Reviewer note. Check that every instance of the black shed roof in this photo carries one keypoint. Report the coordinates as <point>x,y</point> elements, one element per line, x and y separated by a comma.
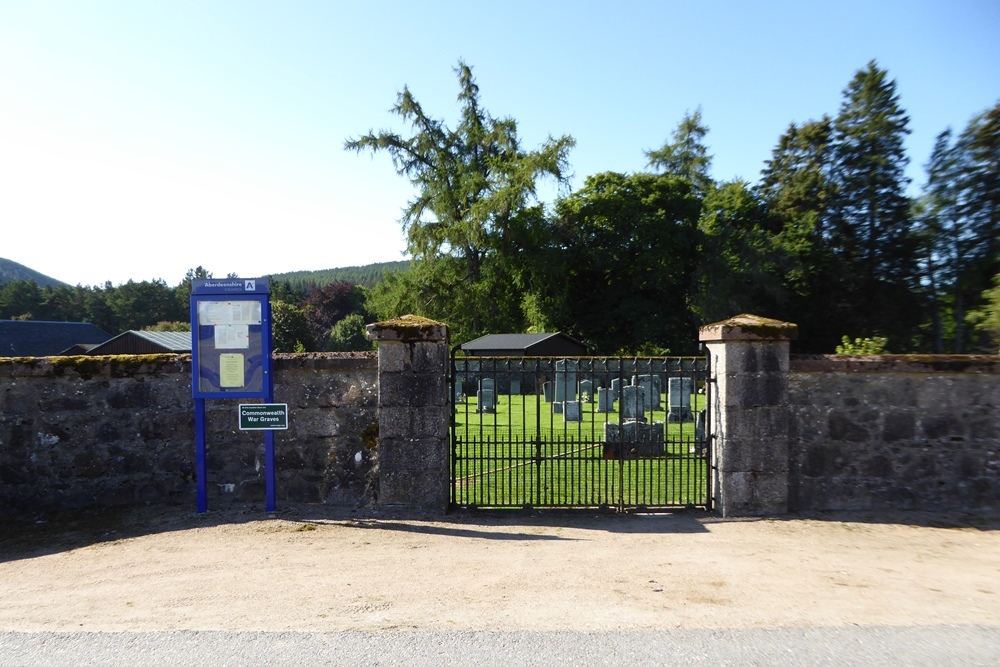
<point>525,345</point>
<point>34,338</point>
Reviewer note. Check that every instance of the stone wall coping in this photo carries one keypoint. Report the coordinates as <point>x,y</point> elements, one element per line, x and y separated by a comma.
<point>896,363</point>
<point>748,327</point>
<point>408,329</point>
<point>127,365</point>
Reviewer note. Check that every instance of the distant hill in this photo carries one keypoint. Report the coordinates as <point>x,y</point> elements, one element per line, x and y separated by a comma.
<point>366,276</point>
<point>11,271</point>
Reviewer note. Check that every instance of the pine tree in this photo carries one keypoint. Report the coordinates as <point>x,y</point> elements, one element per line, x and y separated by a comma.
<point>870,213</point>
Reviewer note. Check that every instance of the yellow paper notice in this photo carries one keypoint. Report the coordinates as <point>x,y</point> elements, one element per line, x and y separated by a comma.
<point>231,370</point>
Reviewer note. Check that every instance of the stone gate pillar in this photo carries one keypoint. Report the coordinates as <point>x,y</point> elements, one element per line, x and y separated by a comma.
<point>413,412</point>
<point>750,418</point>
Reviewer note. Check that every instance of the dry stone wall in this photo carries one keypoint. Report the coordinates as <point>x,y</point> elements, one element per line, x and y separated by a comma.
<point>102,431</point>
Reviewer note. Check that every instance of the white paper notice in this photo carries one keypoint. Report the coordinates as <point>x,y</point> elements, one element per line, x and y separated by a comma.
<point>232,337</point>
<point>214,313</point>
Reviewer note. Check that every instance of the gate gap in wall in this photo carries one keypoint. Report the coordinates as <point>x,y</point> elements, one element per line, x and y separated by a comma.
<point>580,432</point>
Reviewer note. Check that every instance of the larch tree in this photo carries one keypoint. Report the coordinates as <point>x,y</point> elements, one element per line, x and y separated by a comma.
<point>474,185</point>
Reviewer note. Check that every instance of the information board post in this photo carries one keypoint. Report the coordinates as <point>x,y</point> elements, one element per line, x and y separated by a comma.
<point>231,358</point>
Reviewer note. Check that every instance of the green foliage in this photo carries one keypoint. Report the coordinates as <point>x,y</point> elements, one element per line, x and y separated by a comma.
<point>687,156</point>
<point>473,184</point>
<point>873,345</point>
<point>617,266</point>
<point>169,326</point>
<point>986,318</point>
<point>348,335</point>
<point>290,328</point>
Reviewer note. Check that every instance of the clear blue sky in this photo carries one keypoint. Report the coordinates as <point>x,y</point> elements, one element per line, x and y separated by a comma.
<point>139,139</point>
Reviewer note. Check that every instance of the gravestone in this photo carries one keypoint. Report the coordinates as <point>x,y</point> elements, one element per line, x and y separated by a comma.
<point>616,386</point>
<point>485,401</point>
<point>488,384</point>
<point>587,391</point>
<point>699,433</point>
<point>459,396</point>
<point>547,391</point>
<point>557,407</point>
<point>651,401</point>
<point>566,380</point>
<point>605,400</point>
<point>573,411</point>
<point>515,386</point>
<point>633,403</point>
<point>679,399</point>
<point>633,439</point>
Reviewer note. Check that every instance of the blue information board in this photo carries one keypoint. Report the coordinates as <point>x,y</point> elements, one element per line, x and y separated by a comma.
<point>231,330</point>
<point>231,358</point>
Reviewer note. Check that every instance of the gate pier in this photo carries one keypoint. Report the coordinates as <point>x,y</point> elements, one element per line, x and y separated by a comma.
<point>750,364</point>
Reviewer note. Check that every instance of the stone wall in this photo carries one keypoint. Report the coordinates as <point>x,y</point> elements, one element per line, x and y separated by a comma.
<point>99,431</point>
<point>894,432</point>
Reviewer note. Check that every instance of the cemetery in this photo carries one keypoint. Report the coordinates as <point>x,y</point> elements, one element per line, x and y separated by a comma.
<point>578,442</point>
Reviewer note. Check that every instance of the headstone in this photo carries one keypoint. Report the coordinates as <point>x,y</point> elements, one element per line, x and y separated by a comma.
<point>485,401</point>
<point>566,380</point>
<point>633,402</point>
<point>605,400</point>
<point>652,397</point>
<point>557,407</point>
<point>586,391</point>
<point>488,384</point>
<point>459,396</point>
<point>679,399</point>
<point>515,386</point>
<point>632,439</point>
<point>699,433</point>
<point>573,411</point>
<point>547,391</point>
<point>616,386</point>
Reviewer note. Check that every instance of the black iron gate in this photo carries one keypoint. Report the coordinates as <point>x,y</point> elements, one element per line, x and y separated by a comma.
<point>626,433</point>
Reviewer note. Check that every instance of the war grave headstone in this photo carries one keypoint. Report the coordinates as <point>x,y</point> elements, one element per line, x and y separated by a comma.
<point>573,411</point>
<point>486,401</point>
<point>515,386</point>
<point>679,399</point>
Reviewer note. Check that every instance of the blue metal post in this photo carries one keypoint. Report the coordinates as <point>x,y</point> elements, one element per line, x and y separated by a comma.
<point>200,466</point>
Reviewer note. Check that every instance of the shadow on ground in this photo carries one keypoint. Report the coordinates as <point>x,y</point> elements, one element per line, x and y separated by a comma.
<point>44,535</point>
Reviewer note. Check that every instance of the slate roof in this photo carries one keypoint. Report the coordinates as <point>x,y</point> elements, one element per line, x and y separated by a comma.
<point>36,338</point>
<point>539,344</point>
<point>146,342</point>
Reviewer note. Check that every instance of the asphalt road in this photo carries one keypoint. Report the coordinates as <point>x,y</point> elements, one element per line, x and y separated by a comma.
<point>937,646</point>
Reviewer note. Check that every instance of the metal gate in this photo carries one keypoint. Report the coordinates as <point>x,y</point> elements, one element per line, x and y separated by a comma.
<point>625,433</point>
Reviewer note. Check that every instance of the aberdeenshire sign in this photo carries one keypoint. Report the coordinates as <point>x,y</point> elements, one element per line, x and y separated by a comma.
<point>263,416</point>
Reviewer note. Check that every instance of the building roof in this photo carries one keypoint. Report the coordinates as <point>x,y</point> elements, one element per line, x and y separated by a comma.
<point>539,344</point>
<point>35,338</point>
<point>146,342</point>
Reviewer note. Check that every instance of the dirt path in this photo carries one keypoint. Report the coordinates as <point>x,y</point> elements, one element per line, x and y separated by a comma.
<point>314,568</point>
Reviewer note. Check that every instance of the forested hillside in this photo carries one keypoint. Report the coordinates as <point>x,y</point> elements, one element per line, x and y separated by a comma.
<point>10,270</point>
<point>368,275</point>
